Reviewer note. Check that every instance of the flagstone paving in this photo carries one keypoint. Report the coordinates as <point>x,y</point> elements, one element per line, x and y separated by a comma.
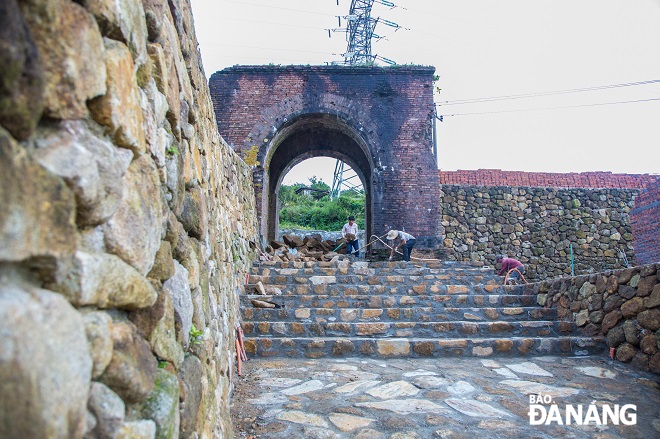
<point>367,398</point>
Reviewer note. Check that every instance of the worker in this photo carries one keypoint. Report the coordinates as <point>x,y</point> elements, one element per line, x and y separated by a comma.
<point>406,242</point>
<point>349,232</point>
<point>510,264</point>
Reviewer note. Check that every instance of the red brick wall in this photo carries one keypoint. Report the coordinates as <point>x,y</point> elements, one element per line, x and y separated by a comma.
<point>289,112</point>
<point>645,220</point>
<point>582,180</point>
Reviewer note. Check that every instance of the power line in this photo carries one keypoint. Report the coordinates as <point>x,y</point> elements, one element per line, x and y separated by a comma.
<point>266,48</point>
<point>549,108</point>
<point>270,23</point>
<point>274,7</point>
<point>547,93</point>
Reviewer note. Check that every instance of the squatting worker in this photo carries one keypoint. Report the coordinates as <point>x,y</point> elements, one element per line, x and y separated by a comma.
<point>510,264</point>
<point>406,242</point>
<point>349,232</point>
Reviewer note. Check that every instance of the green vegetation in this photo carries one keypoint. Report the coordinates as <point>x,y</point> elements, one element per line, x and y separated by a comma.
<point>313,210</point>
<point>195,336</point>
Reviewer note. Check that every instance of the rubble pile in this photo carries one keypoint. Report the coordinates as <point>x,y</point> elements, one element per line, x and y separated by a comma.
<point>310,248</point>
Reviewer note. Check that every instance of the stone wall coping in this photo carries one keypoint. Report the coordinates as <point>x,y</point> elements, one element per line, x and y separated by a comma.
<point>347,70</point>
<point>558,180</point>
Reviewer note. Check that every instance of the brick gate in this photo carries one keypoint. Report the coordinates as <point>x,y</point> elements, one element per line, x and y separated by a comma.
<point>378,120</point>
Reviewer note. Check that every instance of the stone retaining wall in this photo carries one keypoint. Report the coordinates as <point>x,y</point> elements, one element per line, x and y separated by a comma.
<point>621,305</point>
<point>538,226</point>
<point>645,218</point>
<point>125,225</point>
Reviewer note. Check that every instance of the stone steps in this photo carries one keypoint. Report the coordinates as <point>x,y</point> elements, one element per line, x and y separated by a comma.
<point>412,287</point>
<point>401,301</point>
<point>316,347</point>
<point>400,310</point>
<point>370,269</point>
<point>413,314</point>
<point>374,280</point>
<point>446,329</point>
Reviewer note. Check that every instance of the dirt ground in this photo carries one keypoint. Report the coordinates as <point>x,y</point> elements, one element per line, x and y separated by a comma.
<point>245,416</point>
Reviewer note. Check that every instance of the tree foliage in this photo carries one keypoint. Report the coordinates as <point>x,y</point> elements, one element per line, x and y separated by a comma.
<point>314,210</point>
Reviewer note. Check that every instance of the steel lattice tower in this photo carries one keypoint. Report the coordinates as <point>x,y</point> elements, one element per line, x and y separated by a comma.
<point>359,33</point>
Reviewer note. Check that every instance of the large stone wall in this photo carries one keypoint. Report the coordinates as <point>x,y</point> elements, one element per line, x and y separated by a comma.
<point>125,225</point>
<point>646,224</point>
<point>622,306</point>
<point>538,226</point>
<point>644,218</point>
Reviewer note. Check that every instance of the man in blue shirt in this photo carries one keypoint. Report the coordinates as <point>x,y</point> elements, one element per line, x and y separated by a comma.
<point>349,231</point>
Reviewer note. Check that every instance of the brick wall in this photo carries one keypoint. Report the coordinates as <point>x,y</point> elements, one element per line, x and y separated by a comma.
<point>379,120</point>
<point>497,177</point>
<point>646,224</point>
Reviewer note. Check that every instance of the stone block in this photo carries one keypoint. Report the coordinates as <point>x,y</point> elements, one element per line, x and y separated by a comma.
<point>160,323</point>
<point>72,54</point>
<point>371,328</point>
<point>393,348</point>
<point>97,329</point>
<point>132,370</point>
<point>649,319</point>
<point>45,365</point>
<point>610,320</point>
<point>615,337</point>
<point>163,267</point>
<point>194,216</point>
<point>123,20</point>
<point>342,348</point>
<point>91,166</point>
<point>142,429</point>
<point>625,352</point>
<point>105,281</point>
<point>22,88</point>
<point>162,405</point>
<point>134,231</point>
<point>108,410</point>
<point>632,307</point>
<point>37,218</point>
<point>119,109</point>
<point>190,375</point>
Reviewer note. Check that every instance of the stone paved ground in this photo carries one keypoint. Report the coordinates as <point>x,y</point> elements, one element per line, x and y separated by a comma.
<point>440,398</point>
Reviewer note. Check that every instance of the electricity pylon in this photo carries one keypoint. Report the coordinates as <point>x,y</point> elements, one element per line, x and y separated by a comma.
<point>360,32</point>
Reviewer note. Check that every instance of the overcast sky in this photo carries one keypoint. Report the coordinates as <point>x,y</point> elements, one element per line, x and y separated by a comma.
<point>606,51</point>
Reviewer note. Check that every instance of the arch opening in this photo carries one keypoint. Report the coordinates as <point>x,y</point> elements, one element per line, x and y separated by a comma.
<point>320,194</point>
<point>309,136</point>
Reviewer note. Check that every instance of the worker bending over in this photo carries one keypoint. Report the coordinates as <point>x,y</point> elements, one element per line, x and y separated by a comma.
<point>406,243</point>
<point>510,264</point>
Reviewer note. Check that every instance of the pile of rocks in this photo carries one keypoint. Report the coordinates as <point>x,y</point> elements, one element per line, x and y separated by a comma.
<point>310,248</point>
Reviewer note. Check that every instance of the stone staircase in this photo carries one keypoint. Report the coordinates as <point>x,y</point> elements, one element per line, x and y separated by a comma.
<point>398,309</point>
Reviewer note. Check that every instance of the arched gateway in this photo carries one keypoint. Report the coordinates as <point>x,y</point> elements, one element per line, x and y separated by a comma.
<point>377,120</point>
